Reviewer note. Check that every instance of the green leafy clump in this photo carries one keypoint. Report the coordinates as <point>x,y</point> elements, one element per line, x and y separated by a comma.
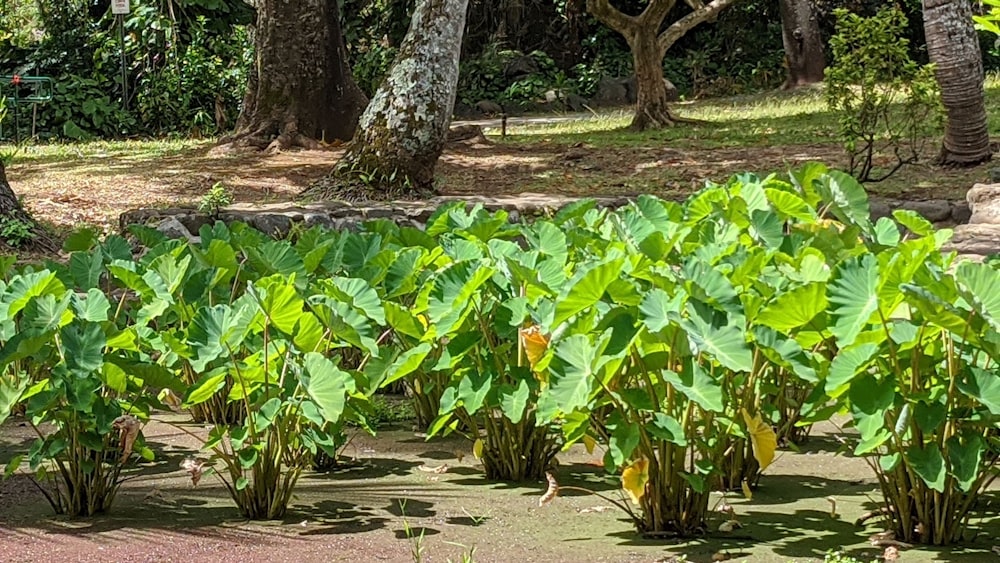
<point>685,340</point>
<point>888,103</point>
<point>217,197</point>
<point>72,360</point>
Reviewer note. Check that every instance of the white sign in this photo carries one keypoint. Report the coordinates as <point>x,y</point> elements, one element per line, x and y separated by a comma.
<point>119,7</point>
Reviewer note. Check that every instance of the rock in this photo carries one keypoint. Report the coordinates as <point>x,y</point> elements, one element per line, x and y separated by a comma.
<point>277,226</point>
<point>466,134</point>
<point>575,102</point>
<point>960,212</point>
<point>610,92</point>
<point>489,108</point>
<point>981,239</point>
<point>173,228</point>
<point>984,201</point>
<point>934,210</point>
<point>520,66</point>
<point>879,209</point>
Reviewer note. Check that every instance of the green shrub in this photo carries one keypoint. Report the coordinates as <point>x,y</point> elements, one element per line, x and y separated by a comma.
<point>888,103</point>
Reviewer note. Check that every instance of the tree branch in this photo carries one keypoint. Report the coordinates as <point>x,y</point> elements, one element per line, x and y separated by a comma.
<point>612,17</point>
<point>654,13</point>
<point>688,22</point>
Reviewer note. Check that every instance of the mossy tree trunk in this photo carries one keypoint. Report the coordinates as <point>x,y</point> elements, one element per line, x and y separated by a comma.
<point>300,89</point>
<point>402,133</point>
<point>23,232</point>
<point>953,47</point>
<point>649,45</point>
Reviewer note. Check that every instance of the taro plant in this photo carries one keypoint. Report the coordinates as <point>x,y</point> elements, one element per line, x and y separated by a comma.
<point>279,348</point>
<point>685,336</point>
<point>917,370</point>
<point>471,320</point>
<point>86,384</point>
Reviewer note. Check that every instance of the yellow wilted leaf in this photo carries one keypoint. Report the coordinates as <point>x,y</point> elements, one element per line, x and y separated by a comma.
<point>762,438</point>
<point>423,320</point>
<point>534,342</point>
<point>477,448</point>
<point>746,490</point>
<point>634,479</point>
<point>589,443</point>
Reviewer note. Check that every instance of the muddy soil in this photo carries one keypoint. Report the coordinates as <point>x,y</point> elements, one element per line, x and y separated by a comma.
<point>383,504</point>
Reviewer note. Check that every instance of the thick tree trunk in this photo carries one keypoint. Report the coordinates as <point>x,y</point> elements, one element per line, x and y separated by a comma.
<point>301,88</point>
<point>649,45</point>
<point>953,47</point>
<point>402,133</point>
<point>652,110</point>
<point>27,233</point>
<point>803,43</point>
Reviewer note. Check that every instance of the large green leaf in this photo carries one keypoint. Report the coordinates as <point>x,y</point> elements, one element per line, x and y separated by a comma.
<point>785,352</point>
<point>206,386</point>
<point>665,427</point>
<point>326,385</point>
<point>548,239</point>
<point>848,199</point>
<point>280,302</point>
<point>571,372</point>
<point>790,205</point>
<point>983,386</point>
<point>795,308</point>
<point>83,347</point>
<point>846,365</point>
<point>454,290</point>
<point>217,330</point>
<point>406,363</point>
<point>357,293</point>
<point>86,268</point>
<point>726,344</point>
<point>514,400</point>
<point>928,463</point>
<point>24,288</point>
<point>696,384</point>
<point>980,286</point>
<point>853,295</point>
<point>658,309</point>
<point>586,290</point>
<point>92,307</point>
<point>10,394</point>
<point>964,458</point>
<point>871,398</point>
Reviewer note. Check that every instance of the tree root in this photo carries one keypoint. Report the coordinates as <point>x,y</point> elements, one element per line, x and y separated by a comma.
<point>270,138</point>
<point>343,185</point>
<point>649,119</point>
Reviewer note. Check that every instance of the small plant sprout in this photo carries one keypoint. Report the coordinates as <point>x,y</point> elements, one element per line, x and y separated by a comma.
<point>217,197</point>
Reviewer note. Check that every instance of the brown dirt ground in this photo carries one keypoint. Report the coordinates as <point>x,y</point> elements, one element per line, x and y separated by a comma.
<point>67,192</point>
<point>353,514</point>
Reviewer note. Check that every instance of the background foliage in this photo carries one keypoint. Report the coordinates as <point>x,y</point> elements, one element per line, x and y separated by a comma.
<point>187,59</point>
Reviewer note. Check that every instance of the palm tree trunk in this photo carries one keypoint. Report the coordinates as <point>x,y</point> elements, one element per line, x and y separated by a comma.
<point>953,47</point>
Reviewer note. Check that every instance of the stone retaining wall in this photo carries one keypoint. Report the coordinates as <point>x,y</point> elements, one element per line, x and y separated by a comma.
<point>276,219</point>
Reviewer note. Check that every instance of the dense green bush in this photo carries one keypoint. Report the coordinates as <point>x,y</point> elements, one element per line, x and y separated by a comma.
<point>888,104</point>
<point>685,338</point>
<point>186,67</point>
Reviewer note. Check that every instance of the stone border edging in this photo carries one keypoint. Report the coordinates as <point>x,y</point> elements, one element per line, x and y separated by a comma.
<point>277,219</point>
